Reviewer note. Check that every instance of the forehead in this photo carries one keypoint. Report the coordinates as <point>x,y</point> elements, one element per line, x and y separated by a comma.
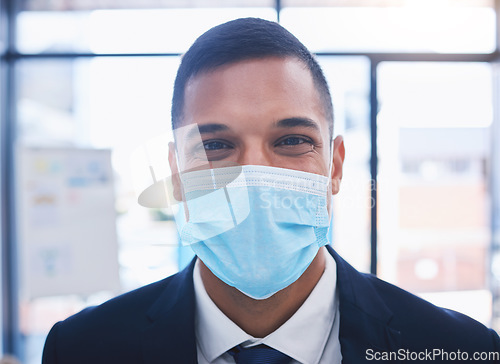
<point>271,87</point>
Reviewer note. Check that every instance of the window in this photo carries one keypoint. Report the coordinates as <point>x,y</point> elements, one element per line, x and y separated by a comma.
<point>97,75</point>
<point>434,145</point>
<point>348,78</point>
<point>392,26</point>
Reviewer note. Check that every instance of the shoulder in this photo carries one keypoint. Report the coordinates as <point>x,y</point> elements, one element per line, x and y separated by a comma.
<point>423,325</point>
<point>371,308</point>
<point>133,305</point>
<point>110,332</point>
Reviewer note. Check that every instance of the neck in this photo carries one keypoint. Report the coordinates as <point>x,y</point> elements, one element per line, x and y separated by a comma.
<point>259,318</point>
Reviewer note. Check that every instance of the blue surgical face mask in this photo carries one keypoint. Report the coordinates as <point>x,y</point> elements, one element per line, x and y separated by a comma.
<point>257,228</point>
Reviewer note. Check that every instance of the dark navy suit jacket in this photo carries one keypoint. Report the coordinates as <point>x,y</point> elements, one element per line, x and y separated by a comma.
<point>155,324</point>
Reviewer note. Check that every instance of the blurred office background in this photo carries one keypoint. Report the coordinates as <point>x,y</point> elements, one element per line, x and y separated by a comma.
<point>416,92</point>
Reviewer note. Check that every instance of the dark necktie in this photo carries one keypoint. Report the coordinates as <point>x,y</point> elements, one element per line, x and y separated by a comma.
<point>260,354</point>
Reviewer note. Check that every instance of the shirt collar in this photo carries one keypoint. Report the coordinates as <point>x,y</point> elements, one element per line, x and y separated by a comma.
<point>303,337</point>
<point>215,332</point>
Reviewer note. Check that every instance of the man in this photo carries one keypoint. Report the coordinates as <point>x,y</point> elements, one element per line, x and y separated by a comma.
<point>265,288</point>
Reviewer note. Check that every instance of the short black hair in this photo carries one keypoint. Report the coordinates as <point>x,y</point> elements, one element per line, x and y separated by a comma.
<point>243,39</point>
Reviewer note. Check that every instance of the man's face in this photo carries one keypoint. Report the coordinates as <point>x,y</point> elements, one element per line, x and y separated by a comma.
<point>259,112</point>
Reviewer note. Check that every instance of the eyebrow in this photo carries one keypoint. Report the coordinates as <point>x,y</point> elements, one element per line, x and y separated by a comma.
<point>297,121</point>
<point>284,123</point>
<point>206,129</point>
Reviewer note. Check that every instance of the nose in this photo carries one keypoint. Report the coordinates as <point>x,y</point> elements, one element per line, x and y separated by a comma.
<point>256,155</point>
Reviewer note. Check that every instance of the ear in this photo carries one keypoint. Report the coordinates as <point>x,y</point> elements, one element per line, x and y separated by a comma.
<point>176,180</point>
<point>338,162</point>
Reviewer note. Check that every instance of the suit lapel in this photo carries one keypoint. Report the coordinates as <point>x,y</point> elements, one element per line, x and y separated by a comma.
<point>364,317</point>
<point>170,337</point>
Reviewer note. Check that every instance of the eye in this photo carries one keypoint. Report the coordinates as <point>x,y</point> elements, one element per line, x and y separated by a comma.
<point>215,145</point>
<point>216,149</point>
<point>294,140</point>
<point>294,145</point>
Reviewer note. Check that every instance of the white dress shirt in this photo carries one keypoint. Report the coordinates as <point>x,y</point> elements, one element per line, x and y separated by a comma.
<point>310,336</point>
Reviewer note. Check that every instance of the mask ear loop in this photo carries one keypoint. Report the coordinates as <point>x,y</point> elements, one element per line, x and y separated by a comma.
<point>181,186</point>
<point>330,168</point>
<point>330,185</point>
